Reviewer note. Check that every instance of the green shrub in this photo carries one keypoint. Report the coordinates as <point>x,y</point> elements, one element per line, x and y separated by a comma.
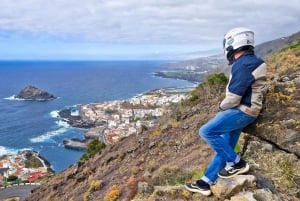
<point>216,80</point>
<point>93,147</point>
<point>12,178</point>
<point>295,45</point>
<point>94,186</point>
<point>211,87</point>
<point>194,174</point>
<point>171,175</point>
<point>33,163</point>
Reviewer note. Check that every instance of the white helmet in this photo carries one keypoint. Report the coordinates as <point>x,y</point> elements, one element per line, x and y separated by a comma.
<point>237,39</point>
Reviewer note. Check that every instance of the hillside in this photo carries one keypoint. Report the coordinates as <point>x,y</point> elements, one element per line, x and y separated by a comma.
<point>265,49</point>
<point>154,164</point>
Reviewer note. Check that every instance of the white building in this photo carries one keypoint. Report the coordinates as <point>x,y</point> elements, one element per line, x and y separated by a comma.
<point>74,112</point>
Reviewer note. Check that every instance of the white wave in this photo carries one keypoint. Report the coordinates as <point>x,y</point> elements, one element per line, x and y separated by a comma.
<point>47,137</point>
<point>26,149</point>
<point>5,151</point>
<point>54,114</point>
<point>62,123</point>
<point>13,97</point>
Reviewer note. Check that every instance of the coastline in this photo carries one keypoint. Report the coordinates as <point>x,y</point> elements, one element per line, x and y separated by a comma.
<point>74,120</point>
<point>48,132</point>
<point>112,120</point>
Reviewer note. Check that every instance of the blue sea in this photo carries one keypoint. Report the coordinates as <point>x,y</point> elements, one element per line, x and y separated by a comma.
<point>34,124</point>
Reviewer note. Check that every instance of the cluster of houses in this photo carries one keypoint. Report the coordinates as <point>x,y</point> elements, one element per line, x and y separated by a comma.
<point>123,118</point>
<point>15,164</point>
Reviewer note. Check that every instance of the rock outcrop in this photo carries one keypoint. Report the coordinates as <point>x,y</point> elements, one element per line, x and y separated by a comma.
<point>279,122</point>
<point>33,93</point>
<point>74,121</point>
<point>77,121</point>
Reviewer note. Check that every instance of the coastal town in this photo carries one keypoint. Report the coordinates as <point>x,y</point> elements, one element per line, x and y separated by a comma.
<point>25,167</point>
<point>107,121</point>
<point>118,119</point>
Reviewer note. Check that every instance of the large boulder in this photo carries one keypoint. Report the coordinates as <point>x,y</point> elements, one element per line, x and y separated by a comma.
<point>274,168</point>
<point>226,188</point>
<point>33,93</point>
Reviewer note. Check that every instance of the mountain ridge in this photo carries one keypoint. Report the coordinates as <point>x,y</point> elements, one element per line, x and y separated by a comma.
<point>197,69</point>
<point>265,49</point>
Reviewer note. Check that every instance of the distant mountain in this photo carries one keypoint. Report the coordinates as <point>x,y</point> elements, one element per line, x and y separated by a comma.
<point>265,49</point>
<point>196,70</point>
<point>196,54</point>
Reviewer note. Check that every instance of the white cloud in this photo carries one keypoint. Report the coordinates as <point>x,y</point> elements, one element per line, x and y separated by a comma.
<point>148,21</point>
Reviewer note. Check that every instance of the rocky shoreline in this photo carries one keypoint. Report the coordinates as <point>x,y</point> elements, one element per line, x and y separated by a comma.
<point>74,120</point>
<point>46,162</point>
<point>80,144</point>
<point>78,121</point>
<point>190,76</point>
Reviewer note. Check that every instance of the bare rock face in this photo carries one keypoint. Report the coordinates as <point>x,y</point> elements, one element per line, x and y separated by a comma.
<point>275,169</point>
<point>33,93</point>
<point>279,121</point>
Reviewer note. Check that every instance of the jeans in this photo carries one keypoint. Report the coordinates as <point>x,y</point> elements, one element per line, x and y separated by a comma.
<point>222,134</point>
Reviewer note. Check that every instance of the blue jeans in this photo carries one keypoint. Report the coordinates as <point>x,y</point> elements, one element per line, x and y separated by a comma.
<point>222,134</point>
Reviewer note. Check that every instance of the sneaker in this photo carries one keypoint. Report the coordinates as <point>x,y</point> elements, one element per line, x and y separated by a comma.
<point>239,168</point>
<point>199,186</point>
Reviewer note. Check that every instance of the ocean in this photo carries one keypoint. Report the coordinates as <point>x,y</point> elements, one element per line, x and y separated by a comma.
<point>34,124</point>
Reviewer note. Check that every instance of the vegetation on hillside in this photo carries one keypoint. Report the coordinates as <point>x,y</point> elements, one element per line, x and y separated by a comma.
<point>286,61</point>
<point>33,163</point>
<point>93,147</point>
<point>213,84</point>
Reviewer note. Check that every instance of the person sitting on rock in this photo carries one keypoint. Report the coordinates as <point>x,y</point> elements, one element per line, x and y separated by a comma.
<point>240,107</point>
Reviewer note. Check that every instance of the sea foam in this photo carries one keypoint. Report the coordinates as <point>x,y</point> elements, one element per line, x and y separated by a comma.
<point>13,97</point>
<point>54,114</point>
<point>47,137</point>
<point>5,151</point>
<point>62,123</point>
<point>62,127</point>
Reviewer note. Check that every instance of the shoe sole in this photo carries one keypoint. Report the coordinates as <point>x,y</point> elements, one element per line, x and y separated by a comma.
<point>203,192</point>
<point>242,171</point>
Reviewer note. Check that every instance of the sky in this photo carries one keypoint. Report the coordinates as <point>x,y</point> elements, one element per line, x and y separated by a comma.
<point>135,29</point>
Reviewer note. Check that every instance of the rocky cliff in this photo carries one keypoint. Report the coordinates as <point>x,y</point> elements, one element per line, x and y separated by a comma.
<point>154,164</point>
